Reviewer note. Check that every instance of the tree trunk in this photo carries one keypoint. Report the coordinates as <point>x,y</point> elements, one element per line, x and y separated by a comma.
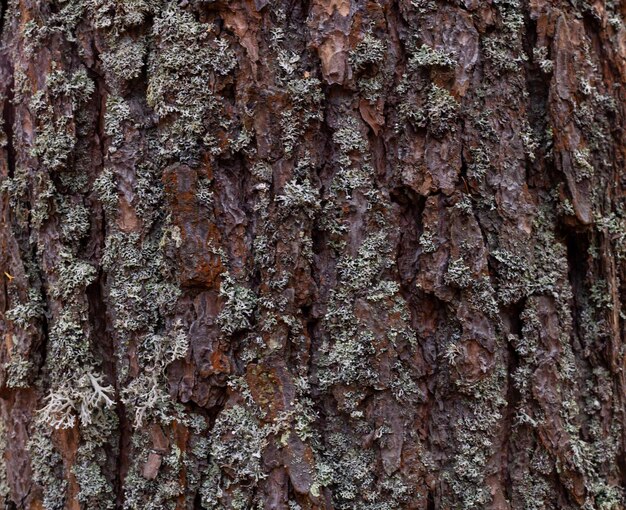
<point>329,254</point>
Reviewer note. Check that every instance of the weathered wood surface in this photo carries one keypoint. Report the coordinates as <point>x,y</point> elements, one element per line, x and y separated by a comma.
<point>329,254</point>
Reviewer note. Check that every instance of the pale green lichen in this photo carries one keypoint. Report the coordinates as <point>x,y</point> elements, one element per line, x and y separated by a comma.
<point>371,88</point>
<point>161,491</point>
<point>299,195</point>
<point>124,61</point>
<point>347,355</point>
<point>121,15</point>
<point>306,96</point>
<point>73,274</point>
<point>54,143</point>
<point>480,163</point>
<point>24,314</point>
<point>239,306</point>
<point>475,433</point>
<point>93,485</point>
<point>504,50</point>
<point>47,466</point>
<point>84,398</point>
<point>529,140</point>
<point>583,169</point>
<point>74,218</point>
<point>600,295</point>
<point>77,86</point>
<point>56,136</point>
<point>369,51</point>
<point>442,110</point>
<point>117,112</point>
<point>235,450</point>
<point>522,272</point>
<point>149,195</point>
<point>498,51</point>
<point>346,468</point>
<point>458,274</point>
<point>139,292</point>
<point>425,56</point>
<point>540,57</point>
<point>189,53</point>
<point>204,193</point>
<point>238,443</point>
<point>4,485</point>
<point>146,396</point>
<point>105,189</point>
<point>427,242</point>
<point>19,371</point>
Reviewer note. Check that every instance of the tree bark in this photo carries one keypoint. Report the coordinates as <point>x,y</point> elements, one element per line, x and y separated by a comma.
<point>329,254</point>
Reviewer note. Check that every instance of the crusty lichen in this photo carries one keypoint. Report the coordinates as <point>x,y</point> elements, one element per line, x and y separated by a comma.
<point>189,53</point>
<point>47,466</point>
<point>426,56</point>
<point>475,433</point>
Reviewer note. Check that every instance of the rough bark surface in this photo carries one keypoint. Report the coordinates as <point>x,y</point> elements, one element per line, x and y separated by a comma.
<point>328,254</point>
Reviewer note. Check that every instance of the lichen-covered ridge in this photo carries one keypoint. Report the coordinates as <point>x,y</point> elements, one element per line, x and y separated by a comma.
<point>336,254</point>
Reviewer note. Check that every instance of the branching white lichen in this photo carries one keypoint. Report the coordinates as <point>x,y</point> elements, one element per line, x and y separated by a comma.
<point>82,399</point>
<point>146,395</point>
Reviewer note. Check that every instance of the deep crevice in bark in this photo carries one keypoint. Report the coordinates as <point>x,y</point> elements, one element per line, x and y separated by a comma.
<point>4,5</point>
<point>411,208</point>
<point>8,118</point>
<point>430,501</point>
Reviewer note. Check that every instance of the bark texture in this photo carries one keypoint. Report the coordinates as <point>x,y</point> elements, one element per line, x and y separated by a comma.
<point>325,254</point>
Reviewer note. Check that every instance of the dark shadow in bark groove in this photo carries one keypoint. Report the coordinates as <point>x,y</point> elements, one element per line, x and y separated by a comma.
<point>577,245</point>
<point>411,207</point>
<point>311,323</point>
<point>4,5</point>
<point>197,502</point>
<point>430,501</point>
<point>8,117</point>
<point>42,349</point>
<point>513,396</point>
